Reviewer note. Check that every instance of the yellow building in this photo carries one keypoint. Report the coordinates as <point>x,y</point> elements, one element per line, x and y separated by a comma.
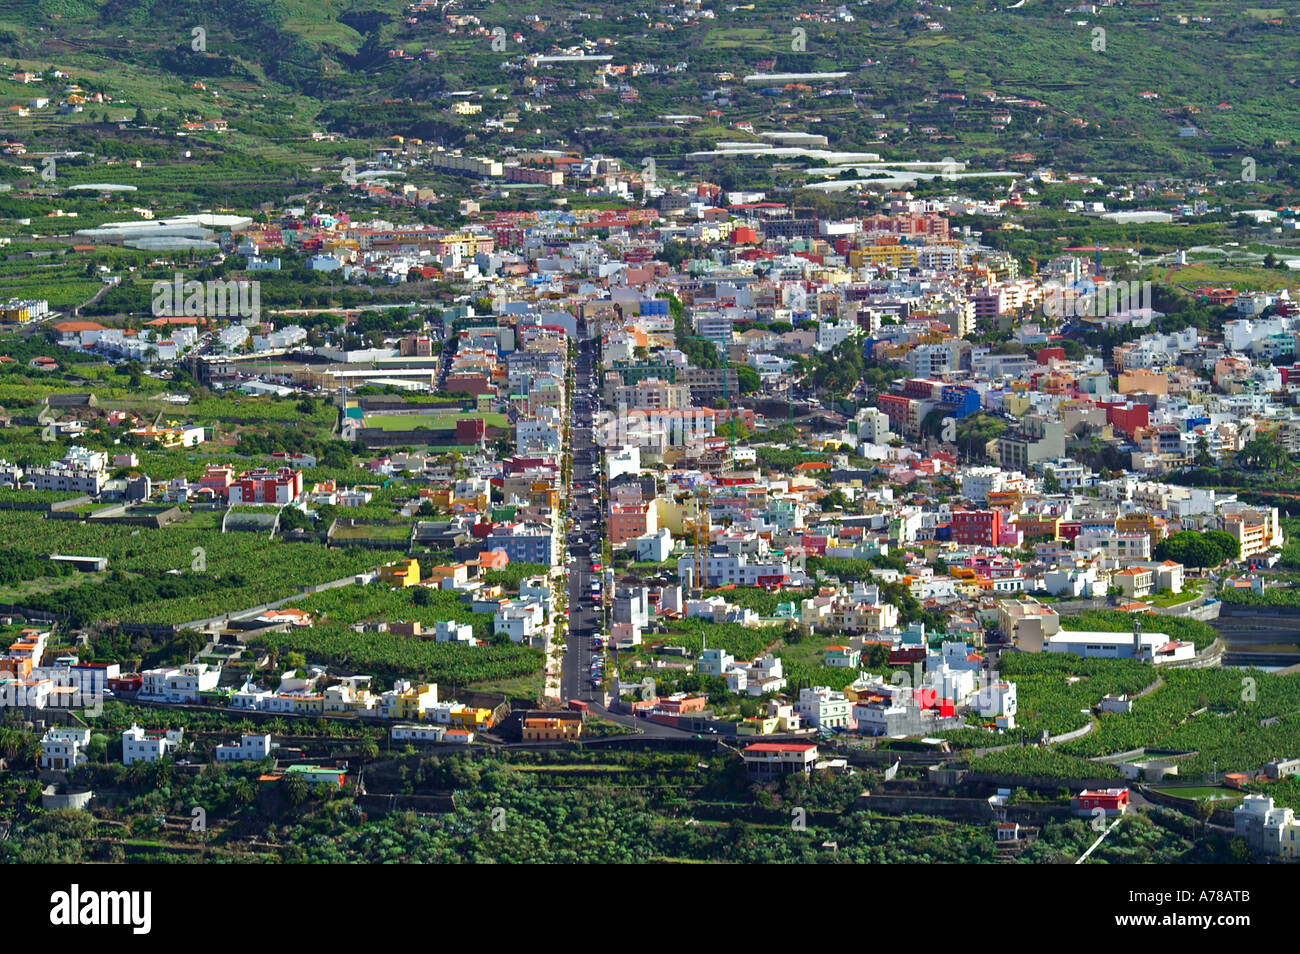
<point>757,725</point>
<point>404,573</point>
<point>15,313</point>
<point>1017,404</point>
<point>551,729</point>
<point>1152,526</point>
<point>409,703</point>
<point>457,573</point>
<point>542,493</point>
<point>671,513</point>
<point>472,718</point>
<point>893,256</point>
<point>1039,527</point>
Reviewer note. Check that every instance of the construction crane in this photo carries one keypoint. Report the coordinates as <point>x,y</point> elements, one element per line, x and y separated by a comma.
<point>698,529</point>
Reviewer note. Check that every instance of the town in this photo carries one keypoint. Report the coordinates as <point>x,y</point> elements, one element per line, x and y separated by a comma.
<point>779,482</point>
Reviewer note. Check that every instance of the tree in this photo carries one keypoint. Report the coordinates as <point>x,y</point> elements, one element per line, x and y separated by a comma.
<point>834,499</point>
<point>1203,458</point>
<point>368,749</point>
<point>1198,550</point>
<point>747,378</point>
<point>295,788</point>
<point>1261,453</point>
<point>1051,485</point>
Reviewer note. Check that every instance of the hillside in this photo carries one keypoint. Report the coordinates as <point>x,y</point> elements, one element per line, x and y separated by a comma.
<point>1160,89</point>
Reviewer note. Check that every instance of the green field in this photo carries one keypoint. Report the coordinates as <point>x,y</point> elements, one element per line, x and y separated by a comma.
<point>1214,793</point>
<point>433,422</point>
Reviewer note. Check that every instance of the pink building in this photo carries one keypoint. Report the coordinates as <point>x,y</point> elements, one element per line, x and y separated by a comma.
<point>218,480</point>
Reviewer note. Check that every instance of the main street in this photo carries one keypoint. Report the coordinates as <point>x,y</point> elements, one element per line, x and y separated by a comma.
<point>585,618</point>
<point>586,531</point>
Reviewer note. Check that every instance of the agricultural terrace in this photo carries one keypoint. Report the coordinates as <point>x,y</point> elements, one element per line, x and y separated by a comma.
<point>331,639</point>
<point>172,574</point>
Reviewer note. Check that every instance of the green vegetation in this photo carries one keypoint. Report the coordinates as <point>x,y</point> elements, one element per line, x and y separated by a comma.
<point>1235,720</point>
<point>331,639</point>
<point>176,573</point>
<point>1115,621</point>
<point>761,601</point>
<point>514,574</point>
<point>1199,550</point>
<point>435,422</point>
<point>391,656</point>
<point>1044,763</point>
<point>1272,596</point>
<point>743,642</point>
<point>1056,690</point>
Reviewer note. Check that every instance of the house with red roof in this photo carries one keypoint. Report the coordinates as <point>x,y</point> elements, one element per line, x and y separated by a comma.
<point>768,760</point>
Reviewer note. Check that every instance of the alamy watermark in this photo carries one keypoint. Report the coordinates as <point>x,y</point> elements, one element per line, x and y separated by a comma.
<point>1090,301</point>
<point>210,299</point>
<point>60,691</point>
<point>78,908</point>
<point>631,425</point>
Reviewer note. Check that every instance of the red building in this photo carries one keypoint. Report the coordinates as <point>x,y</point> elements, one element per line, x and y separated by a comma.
<point>898,409</point>
<point>217,480</point>
<point>514,466</point>
<point>470,383</point>
<point>976,527</point>
<point>280,486</point>
<point>1127,418</point>
<point>682,705</point>
<point>470,430</point>
<point>1109,799</point>
<point>906,657</point>
<point>128,683</point>
<point>814,543</point>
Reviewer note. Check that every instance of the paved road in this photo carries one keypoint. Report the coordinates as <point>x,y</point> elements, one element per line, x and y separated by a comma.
<point>584,523</point>
<point>586,618</point>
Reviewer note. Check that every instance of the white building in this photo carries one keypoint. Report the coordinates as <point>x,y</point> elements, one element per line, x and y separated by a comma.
<point>996,699</point>
<point>64,748</point>
<point>771,759</point>
<point>447,631</point>
<point>1148,647</point>
<point>714,662</point>
<point>1269,830</point>
<point>179,684</point>
<point>978,482</point>
<point>418,733</point>
<point>873,426</point>
<point>80,471</point>
<point>823,707</point>
<point>139,745</point>
<point>1120,547</point>
<point>249,748</point>
<point>520,621</point>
